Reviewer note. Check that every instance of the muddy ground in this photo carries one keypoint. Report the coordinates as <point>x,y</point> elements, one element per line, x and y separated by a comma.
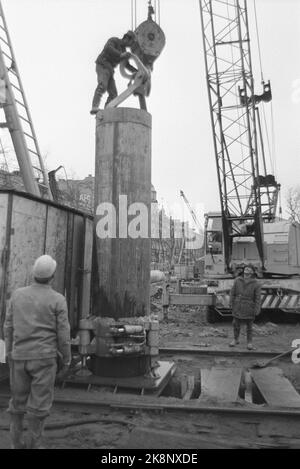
<point>187,328</point>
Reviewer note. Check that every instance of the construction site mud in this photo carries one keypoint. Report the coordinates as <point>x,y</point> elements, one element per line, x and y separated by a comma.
<point>106,418</point>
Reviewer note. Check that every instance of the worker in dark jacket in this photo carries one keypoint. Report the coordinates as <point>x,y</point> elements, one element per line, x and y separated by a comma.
<point>113,53</point>
<point>245,299</point>
<point>36,330</point>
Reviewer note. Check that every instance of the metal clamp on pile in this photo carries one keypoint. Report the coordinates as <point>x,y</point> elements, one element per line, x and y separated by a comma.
<point>107,338</point>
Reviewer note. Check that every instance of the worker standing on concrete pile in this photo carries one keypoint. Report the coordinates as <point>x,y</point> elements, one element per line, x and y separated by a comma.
<point>36,329</point>
<point>245,299</point>
<point>113,53</point>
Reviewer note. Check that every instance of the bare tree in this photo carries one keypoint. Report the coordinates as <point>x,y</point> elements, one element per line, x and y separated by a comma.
<point>293,203</point>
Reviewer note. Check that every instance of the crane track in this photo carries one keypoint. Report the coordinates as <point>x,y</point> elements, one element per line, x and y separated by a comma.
<point>264,427</point>
<point>252,425</point>
<point>223,353</point>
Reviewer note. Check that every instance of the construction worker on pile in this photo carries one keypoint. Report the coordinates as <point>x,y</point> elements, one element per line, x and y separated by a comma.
<point>36,331</point>
<point>245,299</point>
<point>113,53</point>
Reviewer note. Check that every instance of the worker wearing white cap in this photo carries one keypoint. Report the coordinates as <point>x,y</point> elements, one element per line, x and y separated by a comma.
<point>36,330</point>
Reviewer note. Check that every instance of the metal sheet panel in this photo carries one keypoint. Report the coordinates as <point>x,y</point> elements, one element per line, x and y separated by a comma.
<point>3,247</point>
<point>77,251</point>
<point>3,255</point>
<point>29,227</point>
<point>56,242</point>
<point>197,300</point>
<point>27,240</point>
<point>87,270</point>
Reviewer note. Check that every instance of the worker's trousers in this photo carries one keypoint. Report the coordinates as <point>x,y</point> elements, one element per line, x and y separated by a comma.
<point>106,82</point>
<point>237,328</point>
<point>32,386</point>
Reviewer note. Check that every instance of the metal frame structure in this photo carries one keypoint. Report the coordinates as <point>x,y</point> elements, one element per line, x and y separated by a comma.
<point>232,103</point>
<point>19,121</point>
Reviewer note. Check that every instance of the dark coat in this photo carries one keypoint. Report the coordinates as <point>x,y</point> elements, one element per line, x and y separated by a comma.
<point>245,298</point>
<point>110,56</point>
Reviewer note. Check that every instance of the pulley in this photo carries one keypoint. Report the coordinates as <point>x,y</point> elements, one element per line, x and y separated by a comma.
<point>150,40</point>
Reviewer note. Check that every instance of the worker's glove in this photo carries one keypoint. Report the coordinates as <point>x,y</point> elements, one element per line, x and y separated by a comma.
<point>125,56</point>
<point>62,374</point>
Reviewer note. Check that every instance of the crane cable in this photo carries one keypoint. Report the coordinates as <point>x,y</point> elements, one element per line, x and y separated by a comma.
<point>133,15</point>
<point>155,9</point>
<point>271,147</point>
<point>273,139</point>
<point>258,42</point>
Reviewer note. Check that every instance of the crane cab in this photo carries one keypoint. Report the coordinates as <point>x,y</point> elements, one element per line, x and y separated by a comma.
<point>213,245</point>
<point>281,247</point>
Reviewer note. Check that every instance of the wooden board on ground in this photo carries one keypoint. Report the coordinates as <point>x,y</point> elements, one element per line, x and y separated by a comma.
<point>221,384</point>
<point>275,388</point>
<point>187,386</point>
<point>146,438</point>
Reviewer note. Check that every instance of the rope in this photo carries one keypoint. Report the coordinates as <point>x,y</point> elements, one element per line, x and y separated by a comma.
<point>273,141</point>
<point>133,15</point>
<point>272,150</point>
<point>158,18</point>
<point>258,42</point>
<point>268,139</point>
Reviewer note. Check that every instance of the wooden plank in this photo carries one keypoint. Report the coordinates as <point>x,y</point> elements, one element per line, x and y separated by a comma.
<point>4,251</point>
<point>27,240</point>
<point>186,299</point>
<point>87,269</point>
<point>221,384</point>
<point>76,270</point>
<point>56,243</point>
<point>147,438</point>
<point>187,386</point>
<point>275,388</point>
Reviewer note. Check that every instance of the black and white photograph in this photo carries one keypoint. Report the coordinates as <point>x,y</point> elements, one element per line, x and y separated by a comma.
<point>149,227</point>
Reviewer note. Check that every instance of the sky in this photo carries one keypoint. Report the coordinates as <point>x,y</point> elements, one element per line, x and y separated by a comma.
<point>57,41</point>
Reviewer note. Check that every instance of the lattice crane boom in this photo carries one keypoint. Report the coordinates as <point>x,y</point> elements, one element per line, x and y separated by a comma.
<point>233,110</point>
<point>18,119</point>
<point>194,216</point>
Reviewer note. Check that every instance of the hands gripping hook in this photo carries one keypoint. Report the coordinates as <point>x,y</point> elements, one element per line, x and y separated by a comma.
<point>139,84</point>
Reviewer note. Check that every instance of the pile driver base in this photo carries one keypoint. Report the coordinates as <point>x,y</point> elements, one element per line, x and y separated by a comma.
<point>145,384</point>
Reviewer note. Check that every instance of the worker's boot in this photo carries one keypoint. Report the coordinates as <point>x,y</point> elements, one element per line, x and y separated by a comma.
<point>236,333</point>
<point>97,98</point>
<point>35,432</point>
<point>234,342</point>
<point>249,336</point>
<point>16,431</point>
